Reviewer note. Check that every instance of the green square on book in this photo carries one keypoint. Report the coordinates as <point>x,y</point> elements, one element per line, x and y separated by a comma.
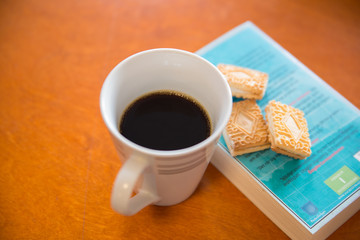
<point>342,180</point>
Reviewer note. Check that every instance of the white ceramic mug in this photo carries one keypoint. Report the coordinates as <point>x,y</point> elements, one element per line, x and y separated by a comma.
<point>162,177</point>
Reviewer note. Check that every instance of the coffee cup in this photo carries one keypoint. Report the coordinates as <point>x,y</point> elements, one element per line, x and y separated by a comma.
<point>162,177</point>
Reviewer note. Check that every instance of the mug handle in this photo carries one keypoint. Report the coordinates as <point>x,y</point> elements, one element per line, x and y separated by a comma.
<point>126,179</point>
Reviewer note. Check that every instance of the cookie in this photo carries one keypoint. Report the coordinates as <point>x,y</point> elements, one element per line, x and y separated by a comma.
<point>246,130</point>
<point>245,82</point>
<point>288,131</point>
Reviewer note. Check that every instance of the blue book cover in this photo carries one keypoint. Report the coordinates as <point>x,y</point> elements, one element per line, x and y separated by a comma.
<point>313,188</point>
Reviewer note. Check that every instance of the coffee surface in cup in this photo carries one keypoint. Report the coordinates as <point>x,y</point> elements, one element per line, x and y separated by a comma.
<point>165,120</point>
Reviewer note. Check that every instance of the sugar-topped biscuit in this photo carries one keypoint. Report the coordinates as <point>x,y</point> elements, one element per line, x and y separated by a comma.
<point>245,82</point>
<point>246,130</point>
<point>288,131</point>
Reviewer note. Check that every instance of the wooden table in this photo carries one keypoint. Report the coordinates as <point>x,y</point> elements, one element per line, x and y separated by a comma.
<point>57,160</point>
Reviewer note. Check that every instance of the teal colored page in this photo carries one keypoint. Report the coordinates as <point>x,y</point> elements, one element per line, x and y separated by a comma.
<point>316,186</point>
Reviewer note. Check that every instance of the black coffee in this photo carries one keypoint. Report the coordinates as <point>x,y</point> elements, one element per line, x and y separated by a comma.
<point>165,120</point>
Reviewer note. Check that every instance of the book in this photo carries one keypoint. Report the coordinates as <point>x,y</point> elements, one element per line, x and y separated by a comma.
<point>307,199</point>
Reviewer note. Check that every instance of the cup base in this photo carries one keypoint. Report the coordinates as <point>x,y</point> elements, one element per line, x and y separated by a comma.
<point>164,203</point>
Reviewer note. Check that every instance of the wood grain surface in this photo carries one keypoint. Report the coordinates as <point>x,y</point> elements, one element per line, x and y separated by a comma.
<point>57,159</point>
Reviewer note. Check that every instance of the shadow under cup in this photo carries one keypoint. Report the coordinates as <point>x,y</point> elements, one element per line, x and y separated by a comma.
<point>174,70</point>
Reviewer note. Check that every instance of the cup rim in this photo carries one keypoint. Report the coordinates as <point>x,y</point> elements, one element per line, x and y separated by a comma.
<point>165,153</point>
